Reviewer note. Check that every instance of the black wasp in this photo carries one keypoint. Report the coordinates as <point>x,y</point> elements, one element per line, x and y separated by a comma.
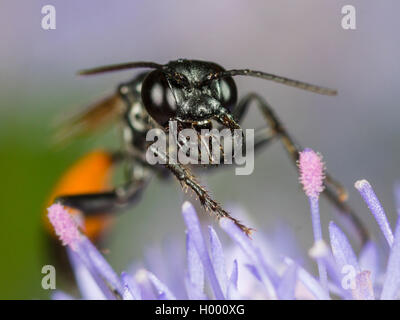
<point>196,94</point>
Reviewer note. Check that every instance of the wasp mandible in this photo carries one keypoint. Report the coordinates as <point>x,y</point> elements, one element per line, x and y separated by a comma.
<point>196,94</point>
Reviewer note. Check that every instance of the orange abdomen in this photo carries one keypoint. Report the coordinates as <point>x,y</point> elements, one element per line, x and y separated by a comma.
<point>90,174</point>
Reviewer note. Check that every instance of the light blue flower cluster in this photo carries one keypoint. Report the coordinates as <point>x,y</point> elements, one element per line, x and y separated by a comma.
<point>253,274</point>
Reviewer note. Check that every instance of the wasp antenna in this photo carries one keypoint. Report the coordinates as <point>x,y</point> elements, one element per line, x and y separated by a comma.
<point>272,77</point>
<point>119,67</point>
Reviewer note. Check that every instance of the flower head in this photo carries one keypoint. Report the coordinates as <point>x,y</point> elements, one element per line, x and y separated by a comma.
<point>248,272</point>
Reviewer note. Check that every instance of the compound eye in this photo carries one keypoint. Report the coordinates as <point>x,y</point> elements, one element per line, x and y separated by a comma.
<point>158,98</point>
<point>228,93</point>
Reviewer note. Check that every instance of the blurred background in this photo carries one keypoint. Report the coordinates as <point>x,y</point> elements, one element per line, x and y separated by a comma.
<point>357,131</point>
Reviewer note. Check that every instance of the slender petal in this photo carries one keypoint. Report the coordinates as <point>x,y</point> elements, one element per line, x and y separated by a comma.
<point>163,292</point>
<point>154,261</point>
<point>193,292</point>
<point>341,248</point>
<point>131,289</point>
<point>217,258</point>
<point>287,286</point>
<point>233,279</point>
<point>90,284</point>
<point>391,286</point>
<point>309,281</point>
<point>316,222</point>
<point>315,218</point>
<point>145,286</point>
<point>195,271</point>
<point>232,291</point>
<point>254,271</point>
<point>376,208</point>
<point>252,253</point>
<point>127,294</point>
<point>102,266</point>
<point>194,229</point>
<point>174,256</point>
<point>321,251</point>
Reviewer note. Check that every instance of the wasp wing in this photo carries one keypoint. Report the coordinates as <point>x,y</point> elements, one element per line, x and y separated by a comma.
<point>95,117</point>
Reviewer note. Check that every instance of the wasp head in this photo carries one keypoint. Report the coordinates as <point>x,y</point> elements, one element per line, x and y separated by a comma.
<point>182,91</point>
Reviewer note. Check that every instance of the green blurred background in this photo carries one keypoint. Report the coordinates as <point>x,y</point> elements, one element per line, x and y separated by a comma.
<point>357,131</point>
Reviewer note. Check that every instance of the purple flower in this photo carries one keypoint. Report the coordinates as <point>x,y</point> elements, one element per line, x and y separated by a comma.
<point>243,268</point>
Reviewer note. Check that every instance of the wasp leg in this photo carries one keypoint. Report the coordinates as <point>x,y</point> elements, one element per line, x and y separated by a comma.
<point>105,202</point>
<point>334,191</point>
<point>189,181</point>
